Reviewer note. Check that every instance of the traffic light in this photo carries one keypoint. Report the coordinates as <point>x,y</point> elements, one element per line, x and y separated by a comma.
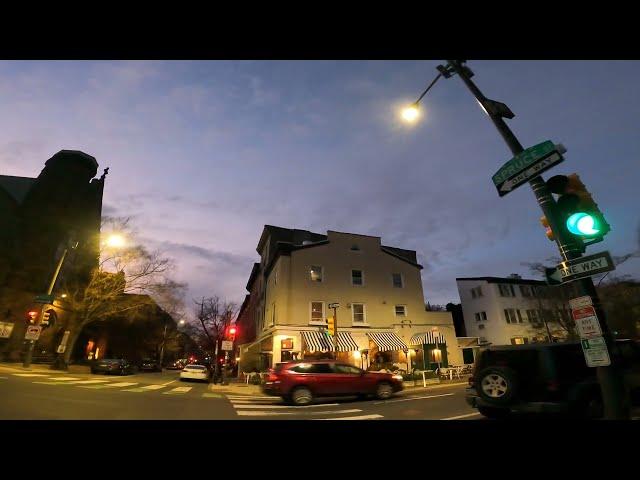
<point>45,318</point>
<point>545,224</point>
<point>231,333</point>
<point>577,210</point>
<point>331,326</point>
<point>32,315</point>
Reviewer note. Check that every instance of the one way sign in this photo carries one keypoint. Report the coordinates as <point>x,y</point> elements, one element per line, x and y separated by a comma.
<point>580,268</point>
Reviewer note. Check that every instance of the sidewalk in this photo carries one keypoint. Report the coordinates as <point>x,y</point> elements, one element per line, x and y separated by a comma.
<point>42,368</point>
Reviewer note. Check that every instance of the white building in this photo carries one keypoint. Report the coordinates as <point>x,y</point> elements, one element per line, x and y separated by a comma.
<point>513,310</point>
<point>381,318</point>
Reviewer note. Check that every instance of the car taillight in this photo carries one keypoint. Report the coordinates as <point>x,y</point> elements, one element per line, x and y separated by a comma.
<point>272,377</point>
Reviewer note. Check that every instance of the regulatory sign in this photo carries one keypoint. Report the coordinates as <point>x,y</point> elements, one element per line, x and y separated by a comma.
<point>583,267</point>
<point>227,345</point>
<point>526,165</point>
<point>595,352</point>
<point>587,322</point>
<point>63,343</point>
<point>33,332</point>
<point>5,329</point>
<point>580,302</point>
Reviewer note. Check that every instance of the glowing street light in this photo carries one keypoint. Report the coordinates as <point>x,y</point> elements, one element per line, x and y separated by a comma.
<point>116,240</point>
<point>411,113</point>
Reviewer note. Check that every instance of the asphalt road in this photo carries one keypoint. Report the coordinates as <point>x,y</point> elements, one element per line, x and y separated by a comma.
<point>155,396</point>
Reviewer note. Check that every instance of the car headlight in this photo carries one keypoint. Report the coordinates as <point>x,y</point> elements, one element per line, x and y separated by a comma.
<point>397,377</point>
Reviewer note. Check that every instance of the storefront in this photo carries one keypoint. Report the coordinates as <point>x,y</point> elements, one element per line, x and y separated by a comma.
<point>430,350</point>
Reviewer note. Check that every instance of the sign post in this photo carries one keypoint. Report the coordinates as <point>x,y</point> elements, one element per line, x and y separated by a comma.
<point>578,268</point>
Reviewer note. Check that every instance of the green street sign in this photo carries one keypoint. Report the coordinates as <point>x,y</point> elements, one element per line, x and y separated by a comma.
<point>45,299</point>
<point>527,165</point>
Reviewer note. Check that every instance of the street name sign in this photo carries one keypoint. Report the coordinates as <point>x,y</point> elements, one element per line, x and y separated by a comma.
<point>227,345</point>
<point>33,332</point>
<point>527,165</point>
<point>580,268</point>
<point>587,322</point>
<point>45,299</point>
<point>595,352</point>
<point>5,329</point>
<point>580,302</point>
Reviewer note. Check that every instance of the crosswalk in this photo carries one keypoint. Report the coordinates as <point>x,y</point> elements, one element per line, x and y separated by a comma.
<point>255,406</point>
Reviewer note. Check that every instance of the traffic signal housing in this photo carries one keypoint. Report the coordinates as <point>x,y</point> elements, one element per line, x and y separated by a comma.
<point>548,232</point>
<point>577,210</point>
<point>331,326</point>
<point>231,333</point>
<point>32,316</point>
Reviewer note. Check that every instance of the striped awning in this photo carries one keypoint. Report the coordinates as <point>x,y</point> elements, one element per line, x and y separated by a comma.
<point>387,341</point>
<point>317,341</point>
<point>346,343</point>
<point>427,338</point>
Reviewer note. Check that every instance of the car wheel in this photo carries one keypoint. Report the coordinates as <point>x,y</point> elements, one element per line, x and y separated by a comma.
<point>493,412</point>
<point>301,396</point>
<point>497,385</point>
<point>384,391</point>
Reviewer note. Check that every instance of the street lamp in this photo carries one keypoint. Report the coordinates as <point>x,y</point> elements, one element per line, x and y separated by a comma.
<point>115,240</point>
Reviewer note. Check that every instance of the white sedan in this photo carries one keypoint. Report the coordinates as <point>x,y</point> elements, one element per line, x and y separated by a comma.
<point>194,372</point>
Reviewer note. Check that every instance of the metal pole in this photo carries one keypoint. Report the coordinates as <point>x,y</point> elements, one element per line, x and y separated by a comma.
<point>611,383</point>
<point>29,355</point>
<point>335,332</point>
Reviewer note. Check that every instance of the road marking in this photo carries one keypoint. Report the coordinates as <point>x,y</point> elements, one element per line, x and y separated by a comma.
<point>30,374</point>
<point>255,406</point>
<point>86,382</point>
<point>153,387</point>
<point>359,417</point>
<point>50,383</point>
<point>121,384</point>
<point>270,414</point>
<point>4,378</point>
<point>413,398</point>
<point>137,390</point>
<point>250,397</point>
<point>212,395</point>
<point>177,390</point>
<point>64,379</point>
<point>462,416</point>
<point>169,383</point>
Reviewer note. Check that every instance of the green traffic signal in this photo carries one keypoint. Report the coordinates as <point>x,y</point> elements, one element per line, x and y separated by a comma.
<point>584,224</point>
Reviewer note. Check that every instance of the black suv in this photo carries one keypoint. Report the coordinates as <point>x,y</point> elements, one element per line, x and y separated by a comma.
<point>545,377</point>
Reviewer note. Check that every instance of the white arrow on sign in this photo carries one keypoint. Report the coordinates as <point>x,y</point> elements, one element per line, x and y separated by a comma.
<point>530,172</point>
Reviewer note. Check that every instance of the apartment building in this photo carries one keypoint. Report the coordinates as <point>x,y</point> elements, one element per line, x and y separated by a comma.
<point>381,318</point>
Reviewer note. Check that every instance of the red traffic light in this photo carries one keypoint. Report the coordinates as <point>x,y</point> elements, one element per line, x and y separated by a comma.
<point>232,330</point>
<point>32,315</point>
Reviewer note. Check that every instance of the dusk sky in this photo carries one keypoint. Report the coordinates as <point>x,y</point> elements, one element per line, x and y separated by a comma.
<point>203,154</point>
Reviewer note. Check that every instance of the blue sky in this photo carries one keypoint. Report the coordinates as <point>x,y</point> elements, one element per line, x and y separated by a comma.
<point>203,154</point>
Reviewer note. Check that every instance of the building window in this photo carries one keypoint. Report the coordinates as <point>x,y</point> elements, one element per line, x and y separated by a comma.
<point>507,290</point>
<point>355,248</point>
<point>315,273</point>
<point>357,310</point>
<point>481,326</point>
<point>401,311</point>
<point>476,292</point>
<point>481,316</point>
<point>526,291</point>
<point>398,281</point>
<point>512,315</point>
<point>519,341</point>
<point>317,312</point>
<point>533,316</point>
<point>357,277</point>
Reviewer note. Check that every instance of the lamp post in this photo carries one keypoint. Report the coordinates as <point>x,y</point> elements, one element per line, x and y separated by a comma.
<point>611,382</point>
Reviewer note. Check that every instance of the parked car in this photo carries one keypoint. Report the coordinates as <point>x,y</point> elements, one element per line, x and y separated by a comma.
<point>149,365</point>
<point>549,377</point>
<point>177,365</point>
<point>300,382</point>
<point>109,365</point>
<point>195,372</point>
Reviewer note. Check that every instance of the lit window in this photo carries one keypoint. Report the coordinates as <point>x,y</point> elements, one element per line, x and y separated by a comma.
<point>315,273</point>
<point>398,281</point>
<point>357,277</point>
<point>357,310</point>
<point>317,311</point>
<point>401,311</point>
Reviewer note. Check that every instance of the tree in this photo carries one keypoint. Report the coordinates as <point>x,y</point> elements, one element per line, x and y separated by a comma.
<point>620,297</point>
<point>214,316</point>
<point>121,283</point>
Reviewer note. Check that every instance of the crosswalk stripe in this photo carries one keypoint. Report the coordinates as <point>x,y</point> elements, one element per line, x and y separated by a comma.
<point>137,390</point>
<point>359,417</point>
<point>177,390</point>
<point>86,382</point>
<point>257,407</point>
<point>51,383</point>
<point>413,398</point>
<point>121,384</point>
<point>4,378</point>
<point>154,387</point>
<point>29,374</point>
<point>462,416</point>
<point>249,397</point>
<point>212,395</point>
<point>271,414</point>
<point>63,379</point>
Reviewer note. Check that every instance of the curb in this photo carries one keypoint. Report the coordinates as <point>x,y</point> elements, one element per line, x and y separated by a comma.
<point>429,387</point>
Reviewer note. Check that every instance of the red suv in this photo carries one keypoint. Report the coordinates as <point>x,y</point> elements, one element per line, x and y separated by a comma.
<point>299,382</point>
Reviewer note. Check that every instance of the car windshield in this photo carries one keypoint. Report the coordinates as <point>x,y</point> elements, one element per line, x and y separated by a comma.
<point>195,367</point>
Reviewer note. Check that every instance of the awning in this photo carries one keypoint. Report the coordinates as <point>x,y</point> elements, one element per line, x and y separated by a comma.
<point>317,341</point>
<point>427,338</point>
<point>346,343</point>
<point>387,341</point>
<point>468,342</point>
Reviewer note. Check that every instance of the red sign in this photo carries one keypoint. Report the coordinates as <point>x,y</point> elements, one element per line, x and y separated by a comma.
<point>584,312</point>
